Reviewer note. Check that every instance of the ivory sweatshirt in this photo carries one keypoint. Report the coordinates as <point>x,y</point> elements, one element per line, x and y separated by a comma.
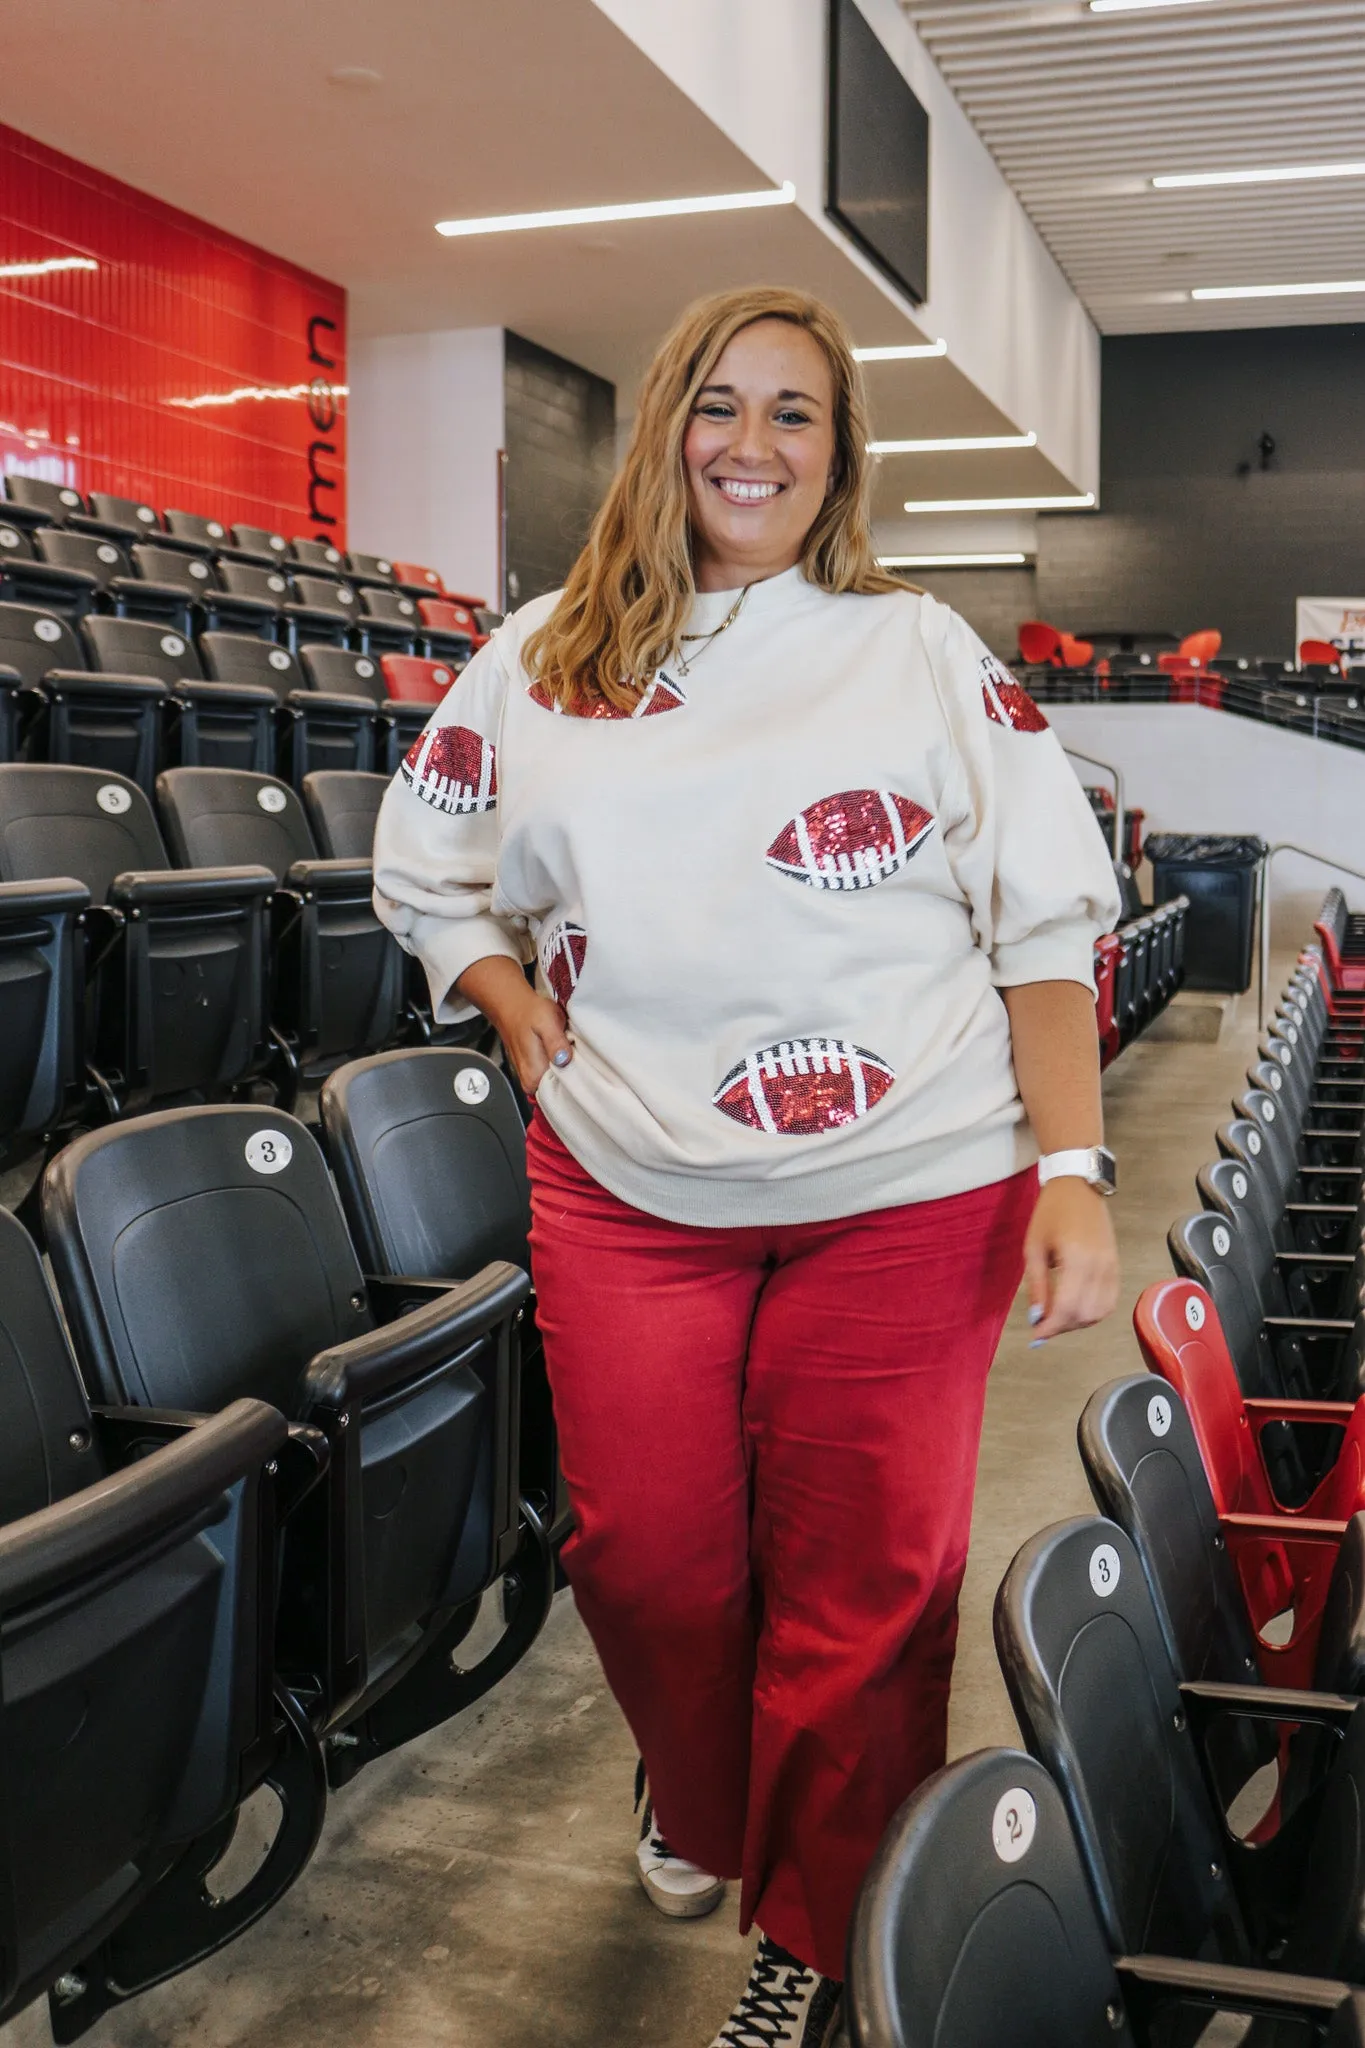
<point>778,902</point>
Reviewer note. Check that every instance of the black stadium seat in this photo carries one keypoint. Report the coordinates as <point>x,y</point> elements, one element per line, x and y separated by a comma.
<point>260,544</point>
<point>389,621</point>
<point>137,1580</point>
<point>215,724</point>
<point>188,594</point>
<point>375,571</point>
<point>127,515</point>
<point>57,570</point>
<point>397,724</point>
<point>323,609</point>
<point>342,810</point>
<point>191,526</point>
<point>429,1152</point>
<point>338,974</point>
<point>179,959</point>
<point>320,731</point>
<point>975,1928</point>
<point>42,999</point>
<point>108,721</point>
<point>388,1559</point>
<point>36,494</point>
<point>318,558</point>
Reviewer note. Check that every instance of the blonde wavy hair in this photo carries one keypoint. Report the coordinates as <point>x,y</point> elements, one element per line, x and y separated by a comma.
<point>627,596</point>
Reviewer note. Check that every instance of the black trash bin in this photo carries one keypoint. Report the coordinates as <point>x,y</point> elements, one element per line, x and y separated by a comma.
<point>1219,877</point>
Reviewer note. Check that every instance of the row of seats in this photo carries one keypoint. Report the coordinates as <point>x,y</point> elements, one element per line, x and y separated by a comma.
<point>1139,967</point>
<point>134,696</point>
<point>250,1557</point>
<point>1187,1834</point>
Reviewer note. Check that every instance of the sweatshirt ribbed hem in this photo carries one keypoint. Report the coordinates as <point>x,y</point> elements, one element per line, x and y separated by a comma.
<point>923,1173</point>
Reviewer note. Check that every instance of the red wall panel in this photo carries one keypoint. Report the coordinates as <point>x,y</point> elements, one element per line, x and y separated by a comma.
<point>182,366</point>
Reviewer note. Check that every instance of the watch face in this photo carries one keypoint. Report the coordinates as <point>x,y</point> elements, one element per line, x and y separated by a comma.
<point>1107,1170</point>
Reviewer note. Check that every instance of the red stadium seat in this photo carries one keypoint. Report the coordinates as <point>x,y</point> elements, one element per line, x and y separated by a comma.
<point>451,615</point>
<point>411,680</point>
<point>1201,648</point>
<point>1039,644</point>
<point>1107,951</point>
<point>412,576</point>
<point>1321,654</point>
<point>1283,1557</point>
<point>1075,653</point>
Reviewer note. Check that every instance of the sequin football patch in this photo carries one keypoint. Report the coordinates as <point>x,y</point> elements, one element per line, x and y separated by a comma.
<point>562,953</point>
<point>1007,701</point>
<point>852,840</point>
<point>803,1086</point>
<point>454,769</point>
<point>663,694</point>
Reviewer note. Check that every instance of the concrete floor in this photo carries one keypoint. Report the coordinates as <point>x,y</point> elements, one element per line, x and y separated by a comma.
<point>477,1890</point>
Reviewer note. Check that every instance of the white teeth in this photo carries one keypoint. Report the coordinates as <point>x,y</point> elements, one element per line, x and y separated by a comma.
<point>746,494</point>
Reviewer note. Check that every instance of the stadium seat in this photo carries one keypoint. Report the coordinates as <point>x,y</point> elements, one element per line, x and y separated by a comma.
<point>212,724</point>
<point>57,570</point>
<point>260,544</point>
<point>1107,951</point>
<point>411,679</point>
<point>35,494</point>
<point>1127,1744</point>
<point>1258,1451</point>
<point>322,610</point>
<point>417,1515</point>
<point>429,1152</point>
<point>318,558</point>
<point>342,810</point>
<point>399,722</point>
<point>417,580</point>
<point>135,1602</point>
<point>375,571</point>
<point>318,731</point>
<point>338,974</point>
<point>178,961</point>
<point>129,516</point>
<point>191,526</point>
<point>388,621</point>
<point>42,1008</point>
<point>1219,1582</point>
<point>187,595</point>
<point>106,721</point>
<point>451,631</point>
<point>1276,1351</point>
<point>975,1928</point>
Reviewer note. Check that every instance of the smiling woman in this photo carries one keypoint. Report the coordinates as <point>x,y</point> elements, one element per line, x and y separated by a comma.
<point>812,893</point>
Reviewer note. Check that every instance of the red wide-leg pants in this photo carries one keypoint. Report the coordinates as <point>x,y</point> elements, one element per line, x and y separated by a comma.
<point>770,1441</point>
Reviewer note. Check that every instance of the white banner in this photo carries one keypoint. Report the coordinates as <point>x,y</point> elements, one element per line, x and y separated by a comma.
<point>1338,619</point>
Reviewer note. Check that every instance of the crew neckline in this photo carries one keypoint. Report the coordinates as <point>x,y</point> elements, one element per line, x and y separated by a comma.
<point>770,593</point>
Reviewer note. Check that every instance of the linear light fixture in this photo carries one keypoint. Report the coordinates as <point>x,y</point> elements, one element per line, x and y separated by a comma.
<point>954,444</point>
<point>1269,174</point>
<point>901,352</point>
<point>1071,504</point>
<point>641,209</point>
<point>255,391</point>
<point>48,266</point>
<point>1279,291</point>
<point>1136,6</point>
<point>1000,561</point>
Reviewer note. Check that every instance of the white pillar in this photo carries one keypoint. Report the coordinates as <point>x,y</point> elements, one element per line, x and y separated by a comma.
<point>424,433</point>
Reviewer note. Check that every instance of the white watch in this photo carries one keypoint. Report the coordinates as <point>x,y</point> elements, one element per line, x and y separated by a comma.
<point>1094,1164</point>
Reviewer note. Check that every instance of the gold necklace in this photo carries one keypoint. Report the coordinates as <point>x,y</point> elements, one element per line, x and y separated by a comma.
<point>685,662</point>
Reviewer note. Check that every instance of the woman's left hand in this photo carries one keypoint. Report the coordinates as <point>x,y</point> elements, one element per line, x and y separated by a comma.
<point>1071,1262</point>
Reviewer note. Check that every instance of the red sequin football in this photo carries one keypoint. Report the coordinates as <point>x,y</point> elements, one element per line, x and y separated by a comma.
<point>852,840</point>
<point>562,952</point>
<point>453,769</point>
<point>803,1086</point>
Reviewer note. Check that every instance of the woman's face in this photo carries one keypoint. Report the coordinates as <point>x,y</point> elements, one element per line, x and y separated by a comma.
<point>758,453</point>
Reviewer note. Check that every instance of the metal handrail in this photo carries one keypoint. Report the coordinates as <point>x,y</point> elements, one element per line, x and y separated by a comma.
<point>1306,853</point>
<point>1109,769</point>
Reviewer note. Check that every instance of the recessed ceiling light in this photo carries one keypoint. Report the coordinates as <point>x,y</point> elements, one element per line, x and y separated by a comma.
<point>1270,174</point>
<point>903,352</point>
<point>1279,291</point>
<point>1001,561</point>
<point>357,75</point>
<point>1137,6</point>
<point>956,444</point>
<point>642,209</point>
<point>47,266</point>
<point>1070,504</point>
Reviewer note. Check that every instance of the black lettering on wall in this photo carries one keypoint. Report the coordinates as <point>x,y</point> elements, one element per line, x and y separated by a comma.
<point>318,482</point>
<point>315,354</point>
<point>323,412</point>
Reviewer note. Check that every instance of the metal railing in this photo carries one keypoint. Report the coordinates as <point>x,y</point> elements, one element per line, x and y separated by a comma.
<point>1106,768</point>
<point>1263,890</point>
<point>1337,715</point>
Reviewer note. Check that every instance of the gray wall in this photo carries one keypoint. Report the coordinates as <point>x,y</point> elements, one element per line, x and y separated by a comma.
<point>1184,540</point>
<point>991,600</point>
<point>560,428</point>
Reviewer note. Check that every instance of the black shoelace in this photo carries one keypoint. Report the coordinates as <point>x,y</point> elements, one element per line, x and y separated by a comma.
<point>771,2003</point>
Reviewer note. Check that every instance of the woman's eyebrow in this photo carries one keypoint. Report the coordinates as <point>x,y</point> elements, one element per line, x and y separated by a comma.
<point>728,391</point>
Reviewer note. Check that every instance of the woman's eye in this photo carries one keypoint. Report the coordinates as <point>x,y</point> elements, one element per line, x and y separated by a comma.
<point>716,410</point>
<point>789,417</point>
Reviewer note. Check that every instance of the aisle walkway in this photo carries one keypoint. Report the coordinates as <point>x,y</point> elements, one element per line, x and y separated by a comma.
<point>476,1891</point>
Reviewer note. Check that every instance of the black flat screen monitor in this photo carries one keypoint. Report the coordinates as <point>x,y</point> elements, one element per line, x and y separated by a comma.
<point>878,154</point>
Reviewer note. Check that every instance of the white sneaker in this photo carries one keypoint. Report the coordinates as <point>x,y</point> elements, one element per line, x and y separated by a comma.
<point>784,2005</point>
<point>682,1890</point>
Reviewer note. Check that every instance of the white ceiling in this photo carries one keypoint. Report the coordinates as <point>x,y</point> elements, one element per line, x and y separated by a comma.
<point>1081,110</point>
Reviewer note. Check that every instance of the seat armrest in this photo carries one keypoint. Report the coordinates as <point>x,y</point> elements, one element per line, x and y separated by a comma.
<point>330,700</point>
<point>1260,1410</point>
<point>190,690</point>
<point>393,1294</point>
<point>51,572</point>
<point>1206,1697</point>
<point>368,1366</point>
<point>151,888</point>
<point>93,1529</point>
<point>98,679</point>
<point>60,892</point>
<point>1152,1981</point>
<point>330,877</point>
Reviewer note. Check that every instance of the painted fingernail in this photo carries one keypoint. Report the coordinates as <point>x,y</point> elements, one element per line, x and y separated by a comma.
<point>1035,1314</point>
<point>1037,1343</point>
<point>563,1056</point>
